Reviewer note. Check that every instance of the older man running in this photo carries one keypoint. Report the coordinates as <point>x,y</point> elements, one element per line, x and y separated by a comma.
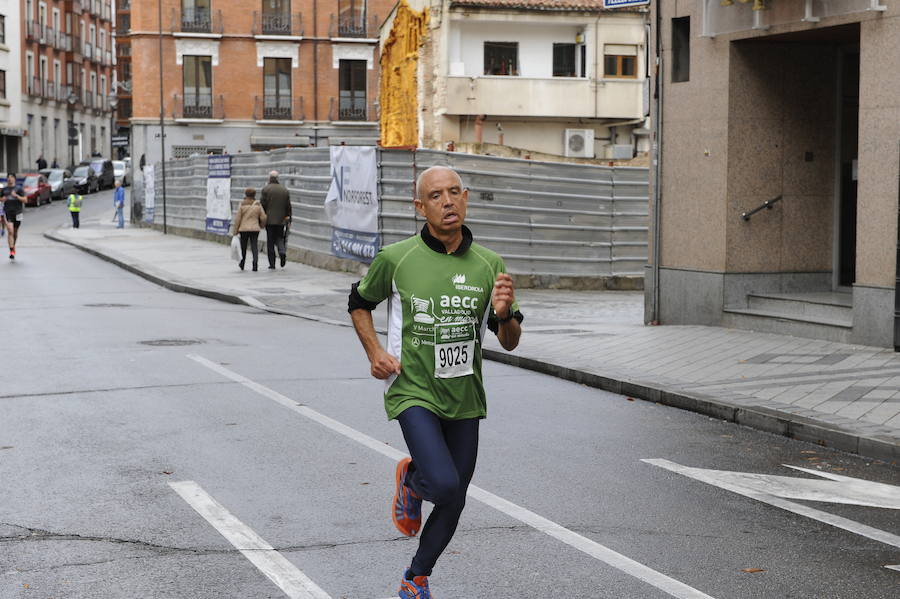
<point>443,291</point>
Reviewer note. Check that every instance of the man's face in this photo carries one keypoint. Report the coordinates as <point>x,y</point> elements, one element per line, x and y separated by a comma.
<point>11,181</point>
<point>442,201</point>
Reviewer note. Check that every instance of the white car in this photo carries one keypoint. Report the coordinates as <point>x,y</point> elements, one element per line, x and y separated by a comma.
<point>121,172</point>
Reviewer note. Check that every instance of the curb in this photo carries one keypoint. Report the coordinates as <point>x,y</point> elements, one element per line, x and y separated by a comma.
<point>756,417</point>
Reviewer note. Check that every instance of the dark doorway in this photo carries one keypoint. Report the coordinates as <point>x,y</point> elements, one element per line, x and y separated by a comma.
<point>848,152</point>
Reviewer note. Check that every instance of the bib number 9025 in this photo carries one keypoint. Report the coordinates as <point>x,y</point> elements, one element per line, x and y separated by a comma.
<point>454,349</point>
<point>453,355</point>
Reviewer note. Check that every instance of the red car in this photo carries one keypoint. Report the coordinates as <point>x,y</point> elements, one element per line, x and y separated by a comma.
<point>37,190</point>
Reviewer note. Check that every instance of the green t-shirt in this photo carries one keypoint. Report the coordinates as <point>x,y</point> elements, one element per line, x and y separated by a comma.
<point>438,307</point>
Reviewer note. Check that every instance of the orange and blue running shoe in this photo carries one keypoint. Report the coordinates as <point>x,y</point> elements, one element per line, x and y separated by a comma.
<point>414,588</point>
<point>406,509</point>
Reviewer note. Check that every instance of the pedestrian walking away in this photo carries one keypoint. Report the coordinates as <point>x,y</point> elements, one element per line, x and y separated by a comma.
<point>248,221</point>
<point>13,208</point>
<point>119,203</point>
<point>443,291</point>
<point>41,163</point>
<point>276,202</point>
<point>75,200</point>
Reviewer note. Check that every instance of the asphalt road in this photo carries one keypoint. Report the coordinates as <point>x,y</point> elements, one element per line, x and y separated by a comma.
<point>114,390</point>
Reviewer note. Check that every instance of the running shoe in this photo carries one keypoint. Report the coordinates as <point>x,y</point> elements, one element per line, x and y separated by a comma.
<point>12,254</point>
<point>414,588</point>
<point>406,509</point>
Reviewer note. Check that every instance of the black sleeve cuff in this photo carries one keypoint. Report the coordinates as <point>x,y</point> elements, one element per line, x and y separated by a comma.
<point>358,302</point>
<point>494,325</point>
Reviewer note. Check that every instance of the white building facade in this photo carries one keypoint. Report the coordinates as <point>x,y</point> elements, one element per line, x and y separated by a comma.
<point>11,130</point>
<point>567,78</point>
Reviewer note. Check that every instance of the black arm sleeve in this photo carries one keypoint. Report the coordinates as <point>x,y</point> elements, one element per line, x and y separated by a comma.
<point>494,325</point>
<point>358,302</point>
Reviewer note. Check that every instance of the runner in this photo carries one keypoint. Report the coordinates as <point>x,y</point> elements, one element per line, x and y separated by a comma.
<point>13,198</point>
<point>443,290</point>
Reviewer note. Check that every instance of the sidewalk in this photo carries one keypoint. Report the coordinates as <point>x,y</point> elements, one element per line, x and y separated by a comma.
<point>837,395</point>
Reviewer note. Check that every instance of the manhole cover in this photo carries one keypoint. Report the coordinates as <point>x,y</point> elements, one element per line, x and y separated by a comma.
<point>171,342</point>
<point>107,305</point>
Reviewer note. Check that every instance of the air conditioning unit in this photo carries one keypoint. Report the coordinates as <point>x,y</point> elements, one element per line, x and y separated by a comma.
<point>579,143</point>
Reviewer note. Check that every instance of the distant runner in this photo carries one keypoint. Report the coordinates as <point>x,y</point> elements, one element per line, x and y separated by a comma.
<point>13,207</point>
<point>443,291</point>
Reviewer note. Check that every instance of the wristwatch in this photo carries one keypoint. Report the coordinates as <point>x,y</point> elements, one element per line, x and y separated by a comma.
<point>508,318</point>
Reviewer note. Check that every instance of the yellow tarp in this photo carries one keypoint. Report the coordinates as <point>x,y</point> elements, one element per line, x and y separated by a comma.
<point>399,58</point>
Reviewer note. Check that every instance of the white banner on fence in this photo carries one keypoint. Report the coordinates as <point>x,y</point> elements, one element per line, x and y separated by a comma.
<point>218,195</point>
<point>149,193</point>
<point>352,202</point>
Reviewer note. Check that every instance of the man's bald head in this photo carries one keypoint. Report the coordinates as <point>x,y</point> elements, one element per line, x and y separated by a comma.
<point>430,171</point>
<point>273,176</point>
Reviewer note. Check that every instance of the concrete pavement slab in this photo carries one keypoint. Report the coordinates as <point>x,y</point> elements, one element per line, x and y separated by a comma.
<point>777,383</point>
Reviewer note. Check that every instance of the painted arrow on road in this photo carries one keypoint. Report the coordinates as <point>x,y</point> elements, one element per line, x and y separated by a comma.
<point>774,490</point>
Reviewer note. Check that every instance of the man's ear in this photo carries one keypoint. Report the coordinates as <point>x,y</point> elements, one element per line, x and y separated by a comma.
<point>419,207</point>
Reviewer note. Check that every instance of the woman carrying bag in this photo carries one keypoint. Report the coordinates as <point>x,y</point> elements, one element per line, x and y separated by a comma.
<point>248,221</point>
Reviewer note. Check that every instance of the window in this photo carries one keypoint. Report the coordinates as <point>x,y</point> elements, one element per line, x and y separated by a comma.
<point>198,86</point>
<point>3,84</point>
<point>276,17</point>
<point>620,61</point>
<point>564,60</point>
<point>501,58</point>
<point>196,15</point>
<point>277,88</point>
<point>681,49</point>
<point>352,18</point>
<point>352,104</point>
<point>3,29</point>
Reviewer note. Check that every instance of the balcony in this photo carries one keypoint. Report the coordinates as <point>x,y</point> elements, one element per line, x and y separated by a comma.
<point>273,107</point>
<point>283,24</point>
<point>63,42</point>
<point>88,51</point>
<point>353,26</point>
<point>351,109</point>
<point>198,20</point>
<point>87,100</point>
<point>34,87</point>
<point>561,97</point>
<point>106,14</point>
<point>723,18</point>
<point>47,35</point>
<point>107,58</point>
<point>75,45</point>
<point>32,31</point>
<point>202,106</point>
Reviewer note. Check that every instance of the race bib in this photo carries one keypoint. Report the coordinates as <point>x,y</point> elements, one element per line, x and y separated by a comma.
<point>454,349</point>
<point>19,216</point>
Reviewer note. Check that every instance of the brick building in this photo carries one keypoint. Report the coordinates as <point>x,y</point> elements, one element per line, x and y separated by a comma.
<point>242,76</point>
<point>122,128</point>
<point>67,78</point>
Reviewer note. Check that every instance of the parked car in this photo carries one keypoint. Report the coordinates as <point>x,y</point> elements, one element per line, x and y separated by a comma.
<point>61,182</point>
<point>121,172</point>
<point>86,180</point>
<point>37,190</point>
<point>103,168</point>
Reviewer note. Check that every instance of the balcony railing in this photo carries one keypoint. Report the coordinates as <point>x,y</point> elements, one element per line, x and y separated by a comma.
<point>271,107</point>
<point>47,35</point>
<point>32,31</point>
<point>87,100</point>
<point>351,109</point>
<point>197,20</point>
<point>75,44</point>
<point>277,24</point>
<point>88,51</point>
<point>357,25</point>
<point>62,41</point>
<point>34,86</point>
<point>199,106</point>
<point>106,15</point>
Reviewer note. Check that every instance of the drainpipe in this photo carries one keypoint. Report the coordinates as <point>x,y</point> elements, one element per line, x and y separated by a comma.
<point>657,165</point>
<point>479,128</point>
<point>315,73</point>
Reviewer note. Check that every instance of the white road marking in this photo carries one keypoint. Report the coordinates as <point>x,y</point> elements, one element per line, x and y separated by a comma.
<point>283,573</point>
<point>897,568</point>
<point>616,560</point>
<point>735,485</point>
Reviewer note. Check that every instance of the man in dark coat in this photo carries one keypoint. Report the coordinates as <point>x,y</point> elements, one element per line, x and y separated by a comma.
<point>276,201</point>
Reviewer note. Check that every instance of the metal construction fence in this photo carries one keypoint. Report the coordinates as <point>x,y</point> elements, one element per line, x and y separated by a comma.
<point>550,220</point>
